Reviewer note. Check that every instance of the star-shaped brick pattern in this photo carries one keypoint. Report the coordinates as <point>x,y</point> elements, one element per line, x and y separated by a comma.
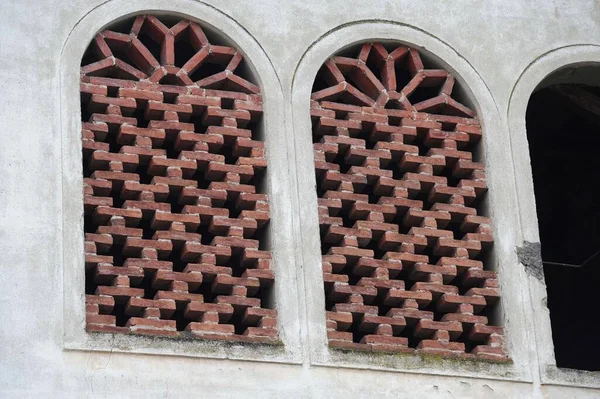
<point>400,194</point>
<point>173,172</point>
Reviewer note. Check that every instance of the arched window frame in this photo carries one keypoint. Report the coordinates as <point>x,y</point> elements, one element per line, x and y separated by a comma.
<point>526,232</point>
<point>501,195</point>
<point>277,180</point>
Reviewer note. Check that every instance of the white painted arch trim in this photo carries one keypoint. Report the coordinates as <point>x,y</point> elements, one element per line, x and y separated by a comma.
<point>540,68</point>
<point>278,180</point>
<point>501,196</point>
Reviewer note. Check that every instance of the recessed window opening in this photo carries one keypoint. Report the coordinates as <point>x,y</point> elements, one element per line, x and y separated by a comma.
<point>563,129</point>
<point>405,240</point>
<point>176,209</point>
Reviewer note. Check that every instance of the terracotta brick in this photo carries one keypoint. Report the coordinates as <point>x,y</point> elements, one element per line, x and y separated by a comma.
<point>397,180</point>
<point>157,244</point>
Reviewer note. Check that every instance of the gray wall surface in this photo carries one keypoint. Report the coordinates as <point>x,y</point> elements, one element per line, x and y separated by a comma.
<point>500,50</point>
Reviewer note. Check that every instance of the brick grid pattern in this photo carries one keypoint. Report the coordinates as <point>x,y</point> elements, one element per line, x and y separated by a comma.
<point>398,189</point>
<point>173,215</point>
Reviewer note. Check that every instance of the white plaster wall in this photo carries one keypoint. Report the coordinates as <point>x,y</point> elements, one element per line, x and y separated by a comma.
<point>500,48</point>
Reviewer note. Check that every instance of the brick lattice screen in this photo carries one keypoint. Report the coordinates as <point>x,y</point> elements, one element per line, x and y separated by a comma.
<point>175,210</point>
<point>399,196</point>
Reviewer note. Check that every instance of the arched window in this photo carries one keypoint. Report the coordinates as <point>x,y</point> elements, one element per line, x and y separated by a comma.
<point>403,233</point>
<point>175,209</point>
<point>563,118</point>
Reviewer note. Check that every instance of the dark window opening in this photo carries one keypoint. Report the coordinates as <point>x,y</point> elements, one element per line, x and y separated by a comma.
<point>563,129</point>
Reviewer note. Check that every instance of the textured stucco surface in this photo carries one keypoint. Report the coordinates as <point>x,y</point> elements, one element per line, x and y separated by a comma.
<point>500,49</point>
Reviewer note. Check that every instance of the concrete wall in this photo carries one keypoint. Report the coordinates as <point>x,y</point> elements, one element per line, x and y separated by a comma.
<point>499,50</point>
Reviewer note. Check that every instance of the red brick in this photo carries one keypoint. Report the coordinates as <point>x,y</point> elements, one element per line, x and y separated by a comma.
<point>387,178</point>
<point>139,167</point>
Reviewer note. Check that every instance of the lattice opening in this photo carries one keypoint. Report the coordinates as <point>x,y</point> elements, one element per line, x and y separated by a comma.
<point>176,211</point>
<point>402,232</point>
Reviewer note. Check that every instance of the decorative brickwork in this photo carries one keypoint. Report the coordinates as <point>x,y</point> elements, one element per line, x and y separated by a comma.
<point>173,175</point>
<point>399,193</point>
